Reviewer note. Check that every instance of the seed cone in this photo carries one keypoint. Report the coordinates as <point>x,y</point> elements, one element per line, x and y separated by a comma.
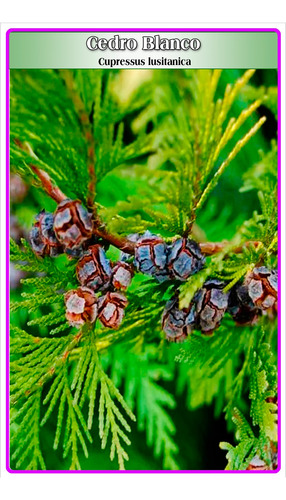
<point>73,225</point>
<point>111,309</point>
<point>93,269</point>
<point>211,304</point>
<point>262,285</point>
<point>178,323</point>
<point>42,236</point>
<point>81,306</point>
<point>184,259</point>
<point>122,274</point>
<point>151,256</point>
<point>241,307</point>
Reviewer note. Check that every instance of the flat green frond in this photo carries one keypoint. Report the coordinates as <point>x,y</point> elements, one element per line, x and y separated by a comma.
<point>42,357</point>
<point>91,381</point>
<point>76,430</point>
<point>111,421</point>
<point>53,131</point>
<point>239,145</point>
<point>196,145</point>
<point>57,135</point>
<point>260,438</point>
<point>143,392</point>
<point>25,444</point>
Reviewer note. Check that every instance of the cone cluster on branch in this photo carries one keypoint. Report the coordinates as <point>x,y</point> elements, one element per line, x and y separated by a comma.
<point>164,262</point>
<point>70,230</point>
<point>245,302</point>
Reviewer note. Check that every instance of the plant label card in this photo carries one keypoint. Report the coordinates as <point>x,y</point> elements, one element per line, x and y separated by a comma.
<point>143,173</point>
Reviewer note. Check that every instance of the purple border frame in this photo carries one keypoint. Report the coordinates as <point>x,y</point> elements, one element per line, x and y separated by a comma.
<point>160,30</point>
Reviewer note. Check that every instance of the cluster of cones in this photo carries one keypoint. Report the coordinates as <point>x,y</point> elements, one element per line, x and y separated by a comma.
<point>70,230</point>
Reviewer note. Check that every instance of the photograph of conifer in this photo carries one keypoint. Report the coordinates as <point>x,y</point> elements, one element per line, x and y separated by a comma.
<point>143,224</point>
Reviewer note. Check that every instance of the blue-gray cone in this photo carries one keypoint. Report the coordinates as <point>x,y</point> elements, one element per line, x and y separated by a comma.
<point>262,287</point>
<point>178,323</point>
<point>241,307</point>
<point>42,236</point>
<point>151,256</point>
<point>184,259</point>
<point>211,304</point>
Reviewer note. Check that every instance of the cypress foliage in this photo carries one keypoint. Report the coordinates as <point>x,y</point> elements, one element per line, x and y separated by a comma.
<point>173,156</point>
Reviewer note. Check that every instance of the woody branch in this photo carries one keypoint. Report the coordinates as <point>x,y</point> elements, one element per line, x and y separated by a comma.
<point>208,248</point>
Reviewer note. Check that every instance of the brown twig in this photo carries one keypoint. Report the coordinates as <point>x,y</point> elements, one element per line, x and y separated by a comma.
<point>118,241</point>
<point>87,132</point>
<point>189,224</point>
<point>53,191</point>
<point>213,248</point>
<point>209,248</point>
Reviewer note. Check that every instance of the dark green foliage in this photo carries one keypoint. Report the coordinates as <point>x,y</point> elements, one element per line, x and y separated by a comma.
<point>184,153</point>
<point>54,130</point>
<point>142,391</point>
